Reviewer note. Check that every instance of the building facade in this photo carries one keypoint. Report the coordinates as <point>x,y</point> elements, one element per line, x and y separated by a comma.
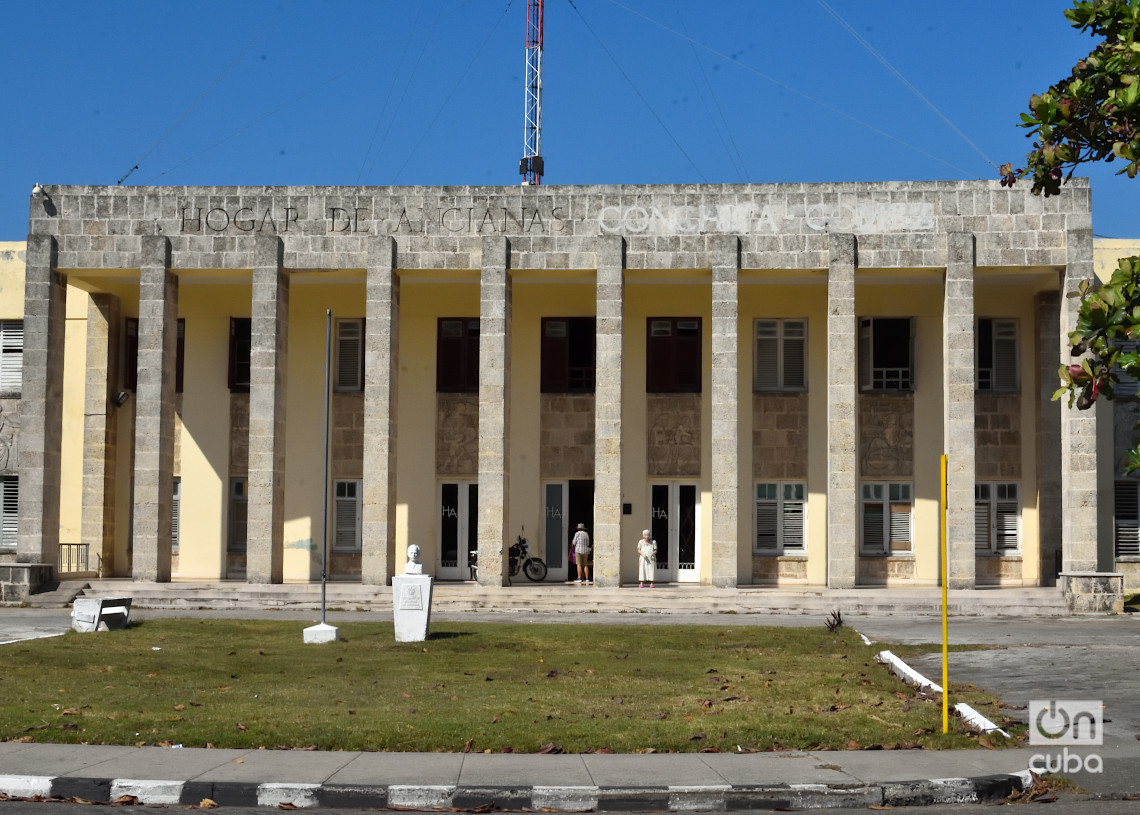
<point>766,376</point>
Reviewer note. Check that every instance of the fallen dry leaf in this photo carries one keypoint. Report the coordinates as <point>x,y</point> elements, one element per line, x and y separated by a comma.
<point>242,727</point>
<point>207,803</point>
<point>70,711</point>
<point>180,707</point>
<point>467,745</point>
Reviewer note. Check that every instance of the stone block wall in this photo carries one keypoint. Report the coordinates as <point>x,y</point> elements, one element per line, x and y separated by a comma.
<point>566,427</point>
<point>997,436</point>
<point>346,448</point>
<point>673,424</point>
<point>780,437</point>
<point>783,570</point>
<point>457,435</point>
<point>885,571</point>
<point>999,570</point>
<point>886,436</point>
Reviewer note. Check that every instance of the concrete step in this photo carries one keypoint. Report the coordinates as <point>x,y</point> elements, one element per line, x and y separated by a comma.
<point>554,598</point>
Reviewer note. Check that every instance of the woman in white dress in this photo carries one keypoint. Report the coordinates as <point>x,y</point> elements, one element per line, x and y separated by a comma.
<point>646,560</point>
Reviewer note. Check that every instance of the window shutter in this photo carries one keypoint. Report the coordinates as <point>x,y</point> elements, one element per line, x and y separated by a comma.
<point>795,346</point>
<point>766,526</point>
<point>688,357</point>
<point>10,500</point>
<point>1005,355</point>
<point>1127,519</point>
<point>555,351</point>
<point>11,355</point>
<point>873,528</point>
<point>241,347</point>
<point>766,362</point>
<point>793,526</point>
<point>131,353</point>
<point>900,527</point>
<point>349,355</point>
<point>176,515</point>
<point>1006,526</point>
<point>346,517</point>
<point>981,526</point>
<point>866,363</point>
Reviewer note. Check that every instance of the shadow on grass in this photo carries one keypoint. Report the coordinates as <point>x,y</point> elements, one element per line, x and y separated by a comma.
<point>448,635</point>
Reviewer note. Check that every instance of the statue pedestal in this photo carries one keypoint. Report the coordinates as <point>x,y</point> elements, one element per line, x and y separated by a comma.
<point>411,606</point>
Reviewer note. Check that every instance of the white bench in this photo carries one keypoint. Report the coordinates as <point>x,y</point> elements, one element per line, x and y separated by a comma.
<point>100,613</point>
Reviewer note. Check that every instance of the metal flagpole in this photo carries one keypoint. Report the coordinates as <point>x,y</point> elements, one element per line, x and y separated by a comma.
<point>325,479</point>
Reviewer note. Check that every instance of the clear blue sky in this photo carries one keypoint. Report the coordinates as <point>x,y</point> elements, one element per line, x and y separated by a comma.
<point>346,92</point>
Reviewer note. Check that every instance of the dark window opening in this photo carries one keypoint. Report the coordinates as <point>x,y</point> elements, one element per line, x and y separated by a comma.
<point>568,354</point>
<point>241,343</point>
<point>673,355</point>
<point>457,355</point>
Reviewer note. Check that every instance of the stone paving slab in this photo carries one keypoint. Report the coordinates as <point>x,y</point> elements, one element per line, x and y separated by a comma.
<point>171,764</point>
<point>439,769</point>
<point>61,759</point>
<point>506,770</point>
<point>788,768</point>
<point>270,766</point>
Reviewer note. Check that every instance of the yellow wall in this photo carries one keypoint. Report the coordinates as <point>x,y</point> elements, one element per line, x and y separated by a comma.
<point>535,297</point>
<point>12,280</point>
<point>424,298</point>
<point>206,304</point>
<point>768,295</point>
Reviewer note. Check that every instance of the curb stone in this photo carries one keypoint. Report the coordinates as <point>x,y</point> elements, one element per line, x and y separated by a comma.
<point>713,797</point>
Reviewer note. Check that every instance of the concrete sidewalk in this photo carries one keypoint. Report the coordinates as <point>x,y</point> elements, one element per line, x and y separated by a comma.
<point>567,783</point>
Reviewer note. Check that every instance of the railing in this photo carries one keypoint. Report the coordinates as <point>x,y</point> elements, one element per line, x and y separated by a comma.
<point>73,557</point>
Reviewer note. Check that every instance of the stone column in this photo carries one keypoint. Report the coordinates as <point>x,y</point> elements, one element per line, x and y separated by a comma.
<point>958,406</point>
<point>842,441</point>
<point>725,412</point>
<point>41,404</point>
<point>381,365</point>
<point>610,309</point>
<point>494,409</point>
<point>154,412</point>
<point>267,391</point>
<point>1078,427</point>
<point>100,429</point>
<point>1049,335</point>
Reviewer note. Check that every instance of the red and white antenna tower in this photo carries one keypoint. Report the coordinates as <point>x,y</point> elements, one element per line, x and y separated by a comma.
<point>531,164</point>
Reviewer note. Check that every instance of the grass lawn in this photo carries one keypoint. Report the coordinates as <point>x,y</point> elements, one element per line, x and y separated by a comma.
<point>477,686</point>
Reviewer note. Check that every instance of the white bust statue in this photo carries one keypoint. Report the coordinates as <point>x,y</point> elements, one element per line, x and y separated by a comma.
<point>413,566</point>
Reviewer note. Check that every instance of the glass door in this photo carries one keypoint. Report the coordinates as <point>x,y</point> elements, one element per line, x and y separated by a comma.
<point>555,532</point>
<point>458,516</point>
<point>674,524</point>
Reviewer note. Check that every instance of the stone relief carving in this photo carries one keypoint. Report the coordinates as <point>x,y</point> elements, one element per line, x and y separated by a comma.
<point>457,434</point>
<point>886,436</point>
<point>674,435</point>
<point>9,435</point>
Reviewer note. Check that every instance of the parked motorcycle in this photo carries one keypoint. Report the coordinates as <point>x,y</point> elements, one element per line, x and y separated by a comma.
<point>518,557</point>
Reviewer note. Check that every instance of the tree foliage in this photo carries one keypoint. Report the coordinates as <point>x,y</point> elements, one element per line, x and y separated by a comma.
<point>1094,115</point>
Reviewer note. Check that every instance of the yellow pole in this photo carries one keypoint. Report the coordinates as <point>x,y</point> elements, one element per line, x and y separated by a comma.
<point>945,639</point>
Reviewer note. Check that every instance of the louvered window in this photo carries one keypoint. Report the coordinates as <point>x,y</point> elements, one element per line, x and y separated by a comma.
<point>780,359</point>
<point>349,358</point>
<point>780,518</point>
<point>1127,519</point>
<point>997,518</point>
<point>568,354</point>
<point>886,519</point>
<point>346,516</point>
<point>10,503</point>
<point>997,355</point>
<point>241,347</point>
<point>11,357</point>
<point>176,516</point>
